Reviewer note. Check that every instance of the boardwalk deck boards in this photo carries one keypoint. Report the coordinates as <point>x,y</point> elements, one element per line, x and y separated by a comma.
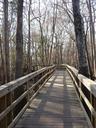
<point>56,106</point>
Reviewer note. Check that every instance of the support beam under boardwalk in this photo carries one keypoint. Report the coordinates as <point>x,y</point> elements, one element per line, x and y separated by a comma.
<point>56,106</point>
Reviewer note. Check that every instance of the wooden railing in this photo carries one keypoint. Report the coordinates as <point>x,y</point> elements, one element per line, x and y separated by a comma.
<point>12,107</point>
<point>86,90</point>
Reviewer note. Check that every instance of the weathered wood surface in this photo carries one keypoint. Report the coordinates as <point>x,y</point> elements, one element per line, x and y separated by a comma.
<point>56,106</point>
<point>88,83</point>
<point>32,84</point>
<point>86,89</point>
<point>9,87</point>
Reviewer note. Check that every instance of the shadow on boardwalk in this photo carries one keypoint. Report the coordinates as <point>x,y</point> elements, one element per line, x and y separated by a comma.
<point>56,106</point>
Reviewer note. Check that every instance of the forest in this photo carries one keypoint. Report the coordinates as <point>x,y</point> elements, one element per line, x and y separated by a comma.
<point>39,33</point>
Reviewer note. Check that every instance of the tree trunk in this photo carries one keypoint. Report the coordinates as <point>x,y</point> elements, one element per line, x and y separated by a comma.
<point>53,31</point>
<point>6,42</point>
<point>92,37</point>
<point>2,64</point>
<point>29,42</point>
<point>19,57</point>
<point>19,41</point>
<point>80,38</point>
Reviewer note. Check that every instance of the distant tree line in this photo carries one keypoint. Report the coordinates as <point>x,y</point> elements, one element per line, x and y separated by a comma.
<point>35,33</point>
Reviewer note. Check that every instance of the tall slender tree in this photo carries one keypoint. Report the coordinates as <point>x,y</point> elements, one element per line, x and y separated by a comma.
<point>19,40</point>
<point>29,42</point>
<point>53,29</point>
<point>6,42</point>
<point>80,38</point>
<point>19,54</point>
<point>92,36</point>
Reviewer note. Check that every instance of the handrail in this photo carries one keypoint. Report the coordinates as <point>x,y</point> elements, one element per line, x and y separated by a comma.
<point>31,83</point>
<point>8,87</point>
<point>86,89</point>
<point>88,83</point>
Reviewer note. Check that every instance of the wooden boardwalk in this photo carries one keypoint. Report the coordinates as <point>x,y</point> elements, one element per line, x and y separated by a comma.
<point>56,106</point>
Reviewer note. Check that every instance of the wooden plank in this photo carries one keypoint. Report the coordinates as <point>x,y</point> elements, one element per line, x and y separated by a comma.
<point>25,107</point>
<point>3,123</point>
<point>7,106</point>
<point>55,106</point>
<point>88,83</point>
<point>9,87</point>
<point>89,105</point>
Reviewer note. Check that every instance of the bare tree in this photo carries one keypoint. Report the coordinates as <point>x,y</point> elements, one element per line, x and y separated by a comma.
<point>53,30</point>
<point>92,37</point>
<point>19,40</point>
<point>6,42</point>
<point>29,42</point>
<point>80,38</point>
<point>19,54</point>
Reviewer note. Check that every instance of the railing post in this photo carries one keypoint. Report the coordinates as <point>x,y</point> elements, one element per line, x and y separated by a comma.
<point>80,85</point>
<point>28,96</point>
<point>95,109</point>
<point>10,114</point>
<point>87,94</point>
<point>14,103</point>
<point>3,122</point>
